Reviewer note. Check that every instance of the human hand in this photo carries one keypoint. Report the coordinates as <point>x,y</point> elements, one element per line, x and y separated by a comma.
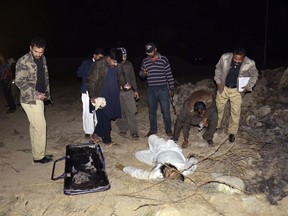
<point>205,122</point>
<point>119,167</point>
<point>244,89</point>
<point>93,99</point>
<point>136,96</point>
<point>145,72</point>
<point>220,87</point>
<point>127,87</point>
<point>40,96</point>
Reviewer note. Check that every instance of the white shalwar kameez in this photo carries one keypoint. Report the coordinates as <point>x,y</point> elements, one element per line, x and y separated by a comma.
<point>161,152</point>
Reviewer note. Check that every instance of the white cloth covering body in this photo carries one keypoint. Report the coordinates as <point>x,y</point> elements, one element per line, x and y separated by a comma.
<point>161,152</point>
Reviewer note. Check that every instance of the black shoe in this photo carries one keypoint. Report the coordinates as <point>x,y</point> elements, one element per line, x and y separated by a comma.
<point>46,159</point>
<point>49,156</point>
<point>87,136</point>
<point>11,111</point>
<point>150,133</point>
<point>231,138</point>
<point>210,142</point>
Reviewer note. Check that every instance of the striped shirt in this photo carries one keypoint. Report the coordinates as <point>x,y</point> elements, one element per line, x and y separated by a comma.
<point>159,72</point>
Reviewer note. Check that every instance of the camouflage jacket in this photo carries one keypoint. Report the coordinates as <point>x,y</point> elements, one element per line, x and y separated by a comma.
<point>97,76</point>
<point>26,78</point>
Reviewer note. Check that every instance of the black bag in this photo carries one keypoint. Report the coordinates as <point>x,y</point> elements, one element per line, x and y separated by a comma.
<point>84,169</point>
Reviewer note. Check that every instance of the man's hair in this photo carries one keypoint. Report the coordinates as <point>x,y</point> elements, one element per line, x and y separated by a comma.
<point>38,42</point>
<point>199,107</point>
<point>177,175</point>
<point>99,51</point>
<point>116,54</point>
<point>240,51</point>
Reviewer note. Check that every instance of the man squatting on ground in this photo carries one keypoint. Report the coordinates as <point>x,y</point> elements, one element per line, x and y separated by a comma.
<point>32,79</point>
<point>198,109</point>
<point>156,68</point>
<point>167,160</point>
<point>127,100</point>
<point>82,72</point>
<point>229,68</point>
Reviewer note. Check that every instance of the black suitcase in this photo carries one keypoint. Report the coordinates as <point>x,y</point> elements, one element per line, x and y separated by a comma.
<point>84,169</point>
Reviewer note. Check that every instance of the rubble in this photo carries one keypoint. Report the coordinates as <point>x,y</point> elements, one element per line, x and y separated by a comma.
<point>263,121</point>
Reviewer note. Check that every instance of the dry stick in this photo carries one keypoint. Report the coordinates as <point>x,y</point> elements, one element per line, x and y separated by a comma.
<point>5,163</point>
<point>178,201</point>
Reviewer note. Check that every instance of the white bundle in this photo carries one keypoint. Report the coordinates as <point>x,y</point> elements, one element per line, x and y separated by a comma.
<point>99,103</point>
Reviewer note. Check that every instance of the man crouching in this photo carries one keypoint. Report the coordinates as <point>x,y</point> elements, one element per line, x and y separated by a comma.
<point>198,110</point>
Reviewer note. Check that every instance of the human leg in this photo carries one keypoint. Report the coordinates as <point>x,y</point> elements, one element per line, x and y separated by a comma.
<point>221,100</point>
<point>122,122</point>
<point>235,101</point>
<point>36,117</point>
<point>87,117</point>
<point>103,127</point>
<point>130,113</point>
<point>152,103</point>
<point>163,96</point>
<point>212,118</point>
<point>6,87</point>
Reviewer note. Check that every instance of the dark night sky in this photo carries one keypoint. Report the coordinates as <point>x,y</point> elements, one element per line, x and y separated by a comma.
<point>184,28</point>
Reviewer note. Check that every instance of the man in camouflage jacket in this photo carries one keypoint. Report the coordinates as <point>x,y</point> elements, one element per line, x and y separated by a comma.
<point>31,77</point>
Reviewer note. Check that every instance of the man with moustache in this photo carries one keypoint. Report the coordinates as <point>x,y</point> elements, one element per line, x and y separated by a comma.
<point>229,69</point>
<point>156,68</point>
<point>32,78</point>
<point>104,80</point>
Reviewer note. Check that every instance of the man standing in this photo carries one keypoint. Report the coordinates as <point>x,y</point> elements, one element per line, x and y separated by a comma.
<point>82,72</point>
<point>156,69</point>
<point>105,77</point>
<point>32,79</point>
<point>230,68</point>
<point>127,100</point>
<point>199,109</point>
<point>6,78</point>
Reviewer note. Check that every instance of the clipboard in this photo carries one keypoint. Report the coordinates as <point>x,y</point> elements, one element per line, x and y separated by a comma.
<point>242,81</point>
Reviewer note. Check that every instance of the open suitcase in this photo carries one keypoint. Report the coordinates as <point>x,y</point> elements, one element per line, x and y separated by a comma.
<point>84,169</point>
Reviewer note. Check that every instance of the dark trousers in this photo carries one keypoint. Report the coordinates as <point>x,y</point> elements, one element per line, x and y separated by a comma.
<point>159,94</point>
<point>103,127</point>
<point>6,88</point>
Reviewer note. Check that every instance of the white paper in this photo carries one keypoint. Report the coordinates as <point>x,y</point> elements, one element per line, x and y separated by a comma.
<point>242,81</point>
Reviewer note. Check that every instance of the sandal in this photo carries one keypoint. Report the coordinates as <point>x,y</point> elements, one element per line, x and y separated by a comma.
<point>95,139</point>
<point>112,144</point>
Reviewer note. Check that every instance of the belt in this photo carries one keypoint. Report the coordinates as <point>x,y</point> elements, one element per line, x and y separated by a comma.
<point>230,86</point>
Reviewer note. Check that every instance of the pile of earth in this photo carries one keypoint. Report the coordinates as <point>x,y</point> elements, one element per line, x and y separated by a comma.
<point>263,124</point>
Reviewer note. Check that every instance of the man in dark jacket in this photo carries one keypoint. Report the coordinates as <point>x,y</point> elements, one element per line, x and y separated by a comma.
<point>198,110</point>
<point>104,79</point>
<point>82,72</point>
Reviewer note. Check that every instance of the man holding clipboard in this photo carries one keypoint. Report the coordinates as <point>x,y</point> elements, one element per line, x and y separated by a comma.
<point>235,73</point>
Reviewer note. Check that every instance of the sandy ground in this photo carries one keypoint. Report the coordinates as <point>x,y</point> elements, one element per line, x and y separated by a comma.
<point>27,189</point>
